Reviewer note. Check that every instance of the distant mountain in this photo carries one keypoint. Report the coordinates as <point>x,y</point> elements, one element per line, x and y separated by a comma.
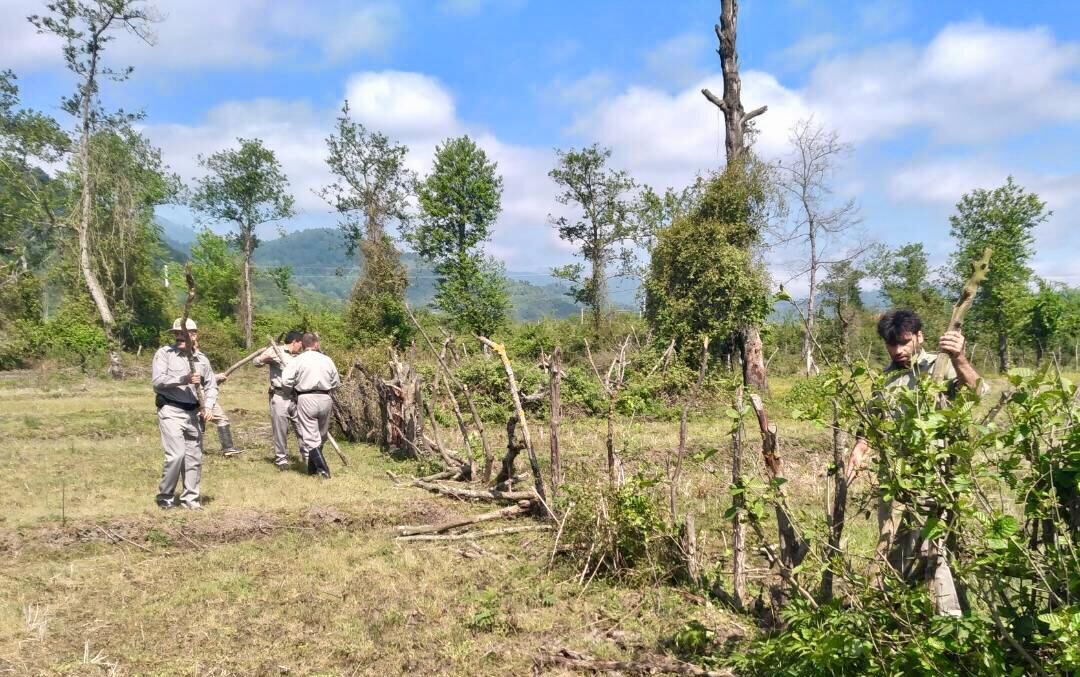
<point>320,263</point>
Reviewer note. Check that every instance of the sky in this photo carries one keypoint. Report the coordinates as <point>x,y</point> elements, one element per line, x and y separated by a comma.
<point>934,98</point>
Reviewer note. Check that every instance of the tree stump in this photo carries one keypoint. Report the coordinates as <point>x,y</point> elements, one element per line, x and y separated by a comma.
<point>402,411</point>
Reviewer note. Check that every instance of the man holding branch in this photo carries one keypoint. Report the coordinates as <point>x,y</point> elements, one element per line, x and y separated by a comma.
<point>282,406</point>
<point>312,376</point>
<point>179,372</point>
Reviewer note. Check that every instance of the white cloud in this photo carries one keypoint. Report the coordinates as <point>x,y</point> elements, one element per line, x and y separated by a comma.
<point>884,16</point>
<point>806,50</point>
<point>584,91</point>
<point>468,7</point>
<point>665,139</point>
<point>676,62</point>
<point>967,85</point>
<point>195,34</point>
<point>411,108</point>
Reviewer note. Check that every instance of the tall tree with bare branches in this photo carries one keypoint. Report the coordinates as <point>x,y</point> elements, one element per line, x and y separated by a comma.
<point>85,27</point>
<point>736,120</point>
<point>819,221</point>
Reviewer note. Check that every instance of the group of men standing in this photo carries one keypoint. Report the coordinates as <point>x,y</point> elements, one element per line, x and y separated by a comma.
<point>301,380</point>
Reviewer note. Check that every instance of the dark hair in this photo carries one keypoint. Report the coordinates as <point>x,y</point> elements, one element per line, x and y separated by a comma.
<point>293,336</point>
<point>309,340</point>
<point>897,322</point>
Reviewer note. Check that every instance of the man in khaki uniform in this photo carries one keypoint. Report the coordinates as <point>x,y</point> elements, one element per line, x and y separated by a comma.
<point>282,407</point>
<point>312,376</point>
<point>179,420</point>
<point>899,540</point>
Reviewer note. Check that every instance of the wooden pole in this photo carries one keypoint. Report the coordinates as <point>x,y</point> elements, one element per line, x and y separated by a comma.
<point>189,278</point>
<point>538,479</point>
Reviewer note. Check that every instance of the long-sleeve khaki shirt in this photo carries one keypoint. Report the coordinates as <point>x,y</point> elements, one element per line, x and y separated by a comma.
<point>171,370</point>
<point>270,359</point>
<point>310,370</point>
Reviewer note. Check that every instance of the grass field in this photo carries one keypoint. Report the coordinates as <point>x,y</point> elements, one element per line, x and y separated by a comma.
<point>280,574</point>
<point>285,574</point>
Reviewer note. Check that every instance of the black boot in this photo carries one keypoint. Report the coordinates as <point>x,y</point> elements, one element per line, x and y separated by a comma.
<point>225,437</point>
<point>317,464</point>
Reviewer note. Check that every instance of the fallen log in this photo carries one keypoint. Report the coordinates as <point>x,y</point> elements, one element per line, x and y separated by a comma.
<point>470,535</point>
<point>475,494</point>
<point>521,508</point>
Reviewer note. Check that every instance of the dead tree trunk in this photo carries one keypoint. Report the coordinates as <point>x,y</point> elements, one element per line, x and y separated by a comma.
<point>555,376</point>
<point>738,502</point>
<point>402,411</point>
<point>515,444</point>
<point>839,508</point>
<point>735,121</point>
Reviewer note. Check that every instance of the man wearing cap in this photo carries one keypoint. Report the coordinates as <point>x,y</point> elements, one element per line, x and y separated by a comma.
<point>282,407</point>
<point>179,419</point>
<point>312,376</point>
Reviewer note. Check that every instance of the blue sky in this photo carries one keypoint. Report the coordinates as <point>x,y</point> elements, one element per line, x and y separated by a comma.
<point>935,98</point>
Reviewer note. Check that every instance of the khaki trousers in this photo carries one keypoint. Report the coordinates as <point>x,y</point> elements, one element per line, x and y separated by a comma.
<point>181,438</point>
<point>902,548</point>
<point>313,419</point>
<point>282,413</point>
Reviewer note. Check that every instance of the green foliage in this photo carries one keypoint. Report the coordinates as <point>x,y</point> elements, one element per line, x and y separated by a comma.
<point>703,278</point>
<point>244,188</point>
<point>600,194</point>
<point>130,180</point>
<point>1003,493</point>
<point>810,397</point>
<point>459,202</point>
<point>1004,218</point>
<point>371,190</point>
<point>623,529</point>
<point>701,284</point>
<point>216,266</point>
<point>904,276</point>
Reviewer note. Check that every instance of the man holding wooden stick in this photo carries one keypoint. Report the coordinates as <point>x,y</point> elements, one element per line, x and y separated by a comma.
<point>185,395</point>
<point>900,543</point>
<point>282,406</point>
<point>312,376</point>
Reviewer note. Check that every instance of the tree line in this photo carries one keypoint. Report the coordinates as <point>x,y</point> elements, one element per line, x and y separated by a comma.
<point>78,200</point>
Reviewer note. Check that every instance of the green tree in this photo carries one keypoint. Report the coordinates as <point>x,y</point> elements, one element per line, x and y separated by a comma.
<point>604,225</point>
<point>130,180</point>
<point>841,304</point>
<point>1047,318</point>
<point>703,277</point>
<point>30,204</point>
<point>370,192</point>
<point>459,203</point>
<point>904,276</point>
<point>218,267</point>
<point>1005,219</point>
<point>244,188</point>
<point>85,28</point>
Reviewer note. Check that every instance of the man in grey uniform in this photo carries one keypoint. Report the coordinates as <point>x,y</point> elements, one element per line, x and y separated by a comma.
<point>312,376</point>
<point>282,407</point>
<point>179,419</point>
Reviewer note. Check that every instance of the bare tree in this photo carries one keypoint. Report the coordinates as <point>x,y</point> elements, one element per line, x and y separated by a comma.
<point>819,220</point>
<point>85,27</point>
<point>736,120</point>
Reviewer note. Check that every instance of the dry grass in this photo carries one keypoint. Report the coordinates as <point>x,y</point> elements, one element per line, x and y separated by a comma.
<point>281,574</point>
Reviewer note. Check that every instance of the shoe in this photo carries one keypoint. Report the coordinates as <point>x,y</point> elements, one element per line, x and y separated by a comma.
<point>324,475</point>
<point>282,466</point>
<point>191,505</point>
<point>165,503</point>
<point>225,437</point>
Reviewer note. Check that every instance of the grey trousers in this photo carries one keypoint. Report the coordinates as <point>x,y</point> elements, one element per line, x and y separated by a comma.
<point>181,437</point>
<point>313,419</point>
<point>282,412</point>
